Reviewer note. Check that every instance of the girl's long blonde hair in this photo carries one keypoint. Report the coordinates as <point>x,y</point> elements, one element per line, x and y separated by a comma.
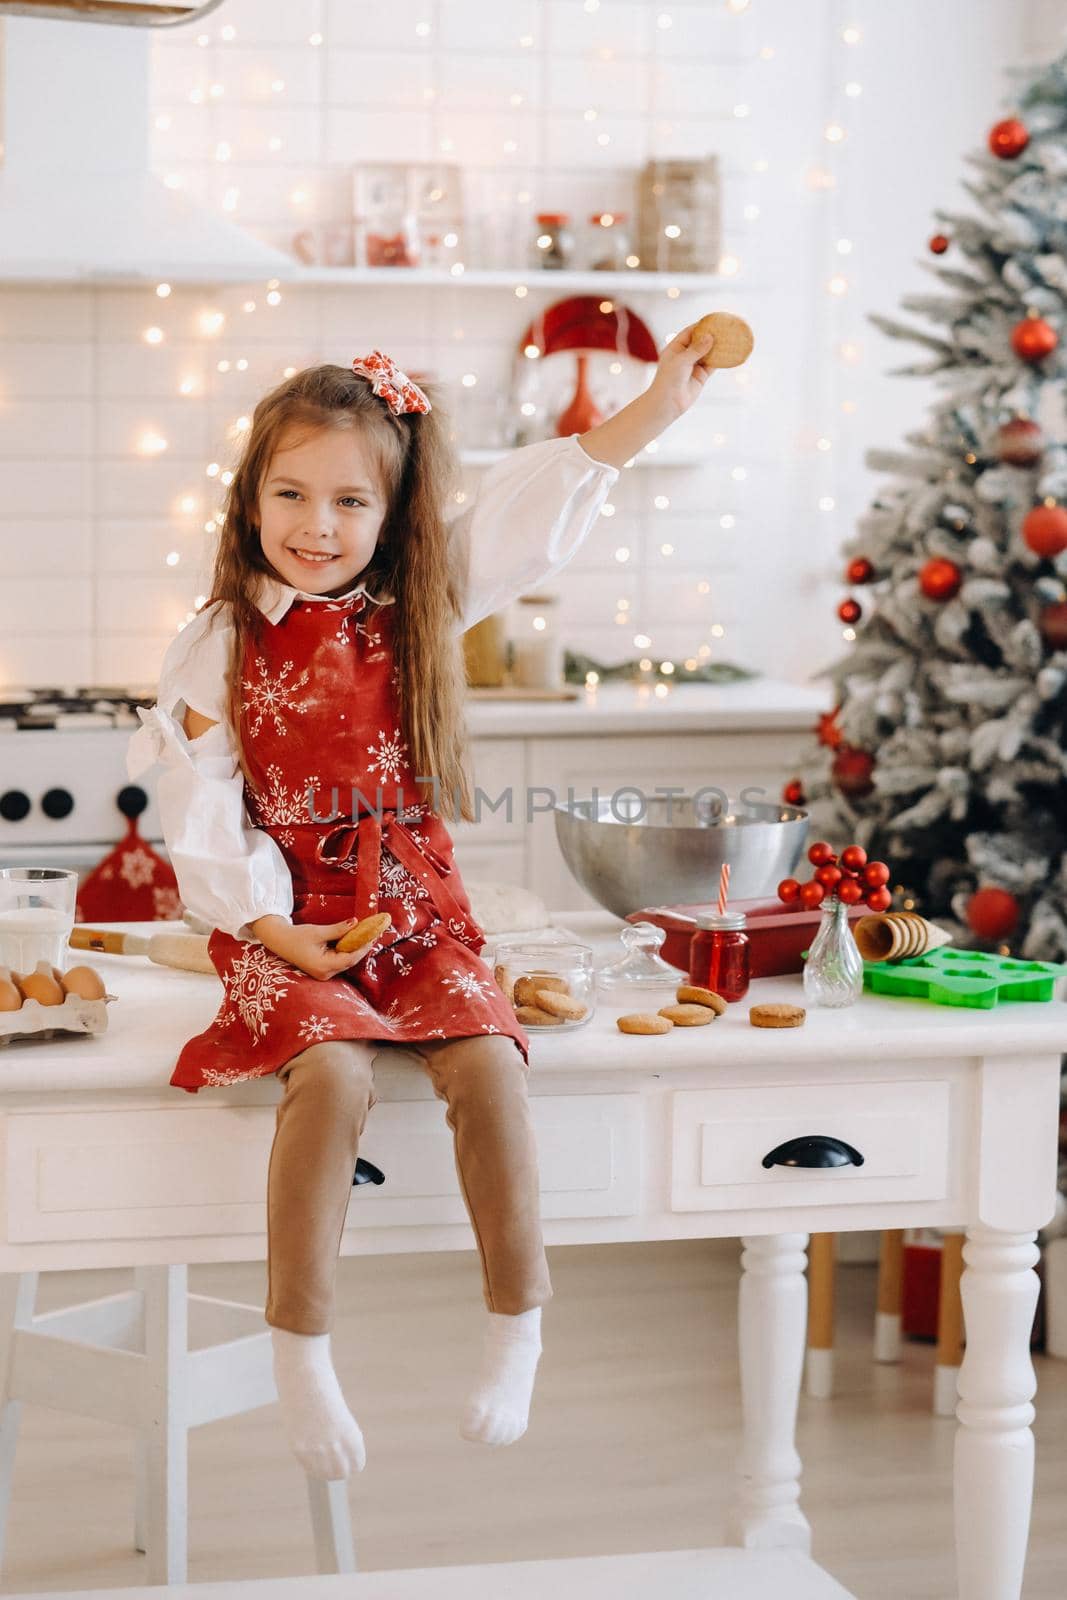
<point>416,560</point>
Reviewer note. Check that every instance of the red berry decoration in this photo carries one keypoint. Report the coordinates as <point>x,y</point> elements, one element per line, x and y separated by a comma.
<point>1033,339</point>
<point>827,729</point>
<point>938,243</point>
<point>859,571</point>
<point>875,874</point>
<point>1020,442</point>
<point>829,877</point>
<point>852,771</point>
<point>788,891</point>
<point>850,891</point>
<point>820,854</point>
<point>850,611</point>
<point>1045,530</point>
<point>854,856</point>
<point>812,895</point>
<point>879,899</point>
<point>793,793</point>
<point>940,579</point>
<point>1008,138</point>
<point>993,913</point>
<point>1053,625</point>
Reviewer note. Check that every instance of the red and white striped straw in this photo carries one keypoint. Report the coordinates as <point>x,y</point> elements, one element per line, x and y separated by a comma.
<point>724,887</point>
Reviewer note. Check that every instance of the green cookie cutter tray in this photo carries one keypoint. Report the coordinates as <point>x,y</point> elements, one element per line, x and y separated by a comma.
<point>963,978</point>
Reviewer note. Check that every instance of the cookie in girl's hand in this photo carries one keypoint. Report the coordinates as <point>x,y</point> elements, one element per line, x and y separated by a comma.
<point>367,932</point>
<point>734,339</point>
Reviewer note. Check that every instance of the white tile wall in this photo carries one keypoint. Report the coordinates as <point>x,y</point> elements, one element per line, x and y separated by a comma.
<point>88,522</point>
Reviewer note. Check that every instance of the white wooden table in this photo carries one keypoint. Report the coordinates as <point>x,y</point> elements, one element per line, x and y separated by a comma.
<point>954,1113</point>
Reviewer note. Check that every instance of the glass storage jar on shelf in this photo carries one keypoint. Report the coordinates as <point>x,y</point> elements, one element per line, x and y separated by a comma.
<point>552,247</point>
<point>608,245</point>
<point>552,986</point>
<point>537,645</point>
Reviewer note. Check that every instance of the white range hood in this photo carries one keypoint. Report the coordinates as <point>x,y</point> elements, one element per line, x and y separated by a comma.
<point>77,198</point>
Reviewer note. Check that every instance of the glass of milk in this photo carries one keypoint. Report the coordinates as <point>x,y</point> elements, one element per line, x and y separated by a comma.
<point>36,916</point>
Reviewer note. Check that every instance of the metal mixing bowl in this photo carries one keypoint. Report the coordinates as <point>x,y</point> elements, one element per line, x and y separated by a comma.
<point>630,851</point>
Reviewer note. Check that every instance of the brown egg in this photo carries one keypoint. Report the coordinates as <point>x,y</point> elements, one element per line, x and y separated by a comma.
<point>10,999</point>
<point>85,982</point>
<point>42,987</point>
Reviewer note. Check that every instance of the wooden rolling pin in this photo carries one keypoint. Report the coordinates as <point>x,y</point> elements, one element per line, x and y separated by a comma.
<point>185,950</point>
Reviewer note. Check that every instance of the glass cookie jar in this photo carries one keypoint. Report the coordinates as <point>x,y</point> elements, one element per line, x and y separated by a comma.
<point>552,987</point>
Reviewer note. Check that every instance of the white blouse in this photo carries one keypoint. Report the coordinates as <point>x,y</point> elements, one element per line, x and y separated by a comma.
<point>531,513</point>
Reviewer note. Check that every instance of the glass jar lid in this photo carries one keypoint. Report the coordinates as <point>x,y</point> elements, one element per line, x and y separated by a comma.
<point>641,967</point>
<point>723,921</point>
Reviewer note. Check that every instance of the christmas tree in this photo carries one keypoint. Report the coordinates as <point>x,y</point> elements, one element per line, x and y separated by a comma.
<point>945,754</point>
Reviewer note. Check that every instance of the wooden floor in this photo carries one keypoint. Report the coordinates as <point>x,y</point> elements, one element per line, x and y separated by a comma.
<point>631,1442</point>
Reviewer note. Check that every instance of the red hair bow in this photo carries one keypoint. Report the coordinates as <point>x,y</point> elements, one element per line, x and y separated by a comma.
<point>390,384</point>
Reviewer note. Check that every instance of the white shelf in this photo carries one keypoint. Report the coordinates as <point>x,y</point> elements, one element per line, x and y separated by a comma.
<point>659,458</point>
<point>474,278</point>
<point>296,276</point>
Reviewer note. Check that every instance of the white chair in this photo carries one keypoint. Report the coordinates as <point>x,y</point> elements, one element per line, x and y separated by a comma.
<point>126,1358</point>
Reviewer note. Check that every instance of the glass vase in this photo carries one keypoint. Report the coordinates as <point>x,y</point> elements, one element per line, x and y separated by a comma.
<point>833,972</point>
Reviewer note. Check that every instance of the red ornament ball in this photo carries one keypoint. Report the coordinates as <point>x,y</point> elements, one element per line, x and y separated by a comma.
<point>875,874</point>
<point>1008,138</point>
<point>1053,625</point>
<point>812,895</point>
<point>993,913</point>
<point>789,891</point>
<point>940,579</point>
<point>854,856</point>
<point>820,854</point>
<point>1045,530</point>
<point>829,877</point>
<point>850,611</point>
<point>938,243</point>
<point>1033,339</point>
<point>859,571</point>
<point>879,899</point>
<point>850,891</point>
<point>793,793</point>
<point>1020,442</point>
<point>852,770</point>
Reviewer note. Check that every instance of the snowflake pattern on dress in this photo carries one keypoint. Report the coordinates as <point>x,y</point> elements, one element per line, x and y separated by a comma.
<point>218,1077</point>
<point>466,984</point>
<point>395,882</point>
<point>280,805</point>
<point>396,1011</point>
<point>270,697</point>
<point>255,985</point>
<point>313,1029</point>
<point>388,755</point>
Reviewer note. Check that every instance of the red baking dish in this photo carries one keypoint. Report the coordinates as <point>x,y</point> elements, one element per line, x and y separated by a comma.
<point>776,935</point>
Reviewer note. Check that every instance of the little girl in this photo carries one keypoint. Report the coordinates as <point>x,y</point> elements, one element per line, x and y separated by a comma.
<point>326,672</point>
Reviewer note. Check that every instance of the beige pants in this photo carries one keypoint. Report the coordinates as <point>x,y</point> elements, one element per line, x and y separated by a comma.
<point>329,1090</point>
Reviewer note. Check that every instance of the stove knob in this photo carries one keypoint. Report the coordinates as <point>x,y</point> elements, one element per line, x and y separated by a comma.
<point>57,803</point>
<point>14,805</point>
<point>132,800</point>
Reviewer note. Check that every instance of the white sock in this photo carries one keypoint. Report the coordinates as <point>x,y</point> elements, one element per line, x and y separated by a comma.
<point>499,1408</point>
<point>323,1434</point>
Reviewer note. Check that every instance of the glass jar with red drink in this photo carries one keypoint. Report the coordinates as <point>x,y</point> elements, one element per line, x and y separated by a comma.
<point>718,954</point>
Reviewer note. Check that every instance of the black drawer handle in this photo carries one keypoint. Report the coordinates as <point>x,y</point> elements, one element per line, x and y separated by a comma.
<point>814,1150</point>
<point>366,1172</point>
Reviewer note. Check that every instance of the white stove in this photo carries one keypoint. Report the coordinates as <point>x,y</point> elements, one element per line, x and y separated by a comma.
<point>64,794</point>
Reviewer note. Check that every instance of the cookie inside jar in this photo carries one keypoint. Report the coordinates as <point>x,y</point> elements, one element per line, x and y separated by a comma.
<point>550,986</point>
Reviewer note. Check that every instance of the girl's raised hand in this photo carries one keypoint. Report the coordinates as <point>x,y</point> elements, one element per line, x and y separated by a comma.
<point>309,946</point>
<point>679,375</point>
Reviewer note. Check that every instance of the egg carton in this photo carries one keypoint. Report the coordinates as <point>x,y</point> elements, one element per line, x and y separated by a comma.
<point>34,1021</point>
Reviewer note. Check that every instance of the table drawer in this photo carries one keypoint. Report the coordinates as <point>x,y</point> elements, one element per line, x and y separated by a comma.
<point>720,1137</point>
<point>161,1174</point>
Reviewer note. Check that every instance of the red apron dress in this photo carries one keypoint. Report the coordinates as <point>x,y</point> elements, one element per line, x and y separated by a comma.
<point>322,736</point>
